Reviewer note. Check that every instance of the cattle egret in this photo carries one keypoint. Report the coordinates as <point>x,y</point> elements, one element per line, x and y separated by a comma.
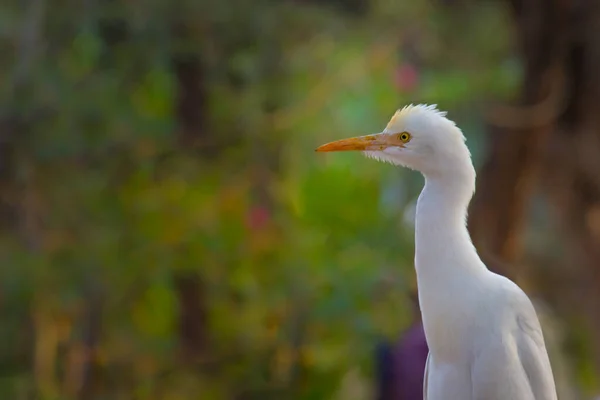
<point>485,340</point>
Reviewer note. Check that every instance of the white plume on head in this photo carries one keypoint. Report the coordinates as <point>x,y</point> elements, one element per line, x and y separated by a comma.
<point>416,108</point>
<point>421,114</point>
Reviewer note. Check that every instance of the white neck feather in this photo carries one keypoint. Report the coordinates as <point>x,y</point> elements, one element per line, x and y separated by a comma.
<point>444,251</point>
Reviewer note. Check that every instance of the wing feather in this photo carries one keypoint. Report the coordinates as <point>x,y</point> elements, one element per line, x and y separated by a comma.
<point>534,358</point>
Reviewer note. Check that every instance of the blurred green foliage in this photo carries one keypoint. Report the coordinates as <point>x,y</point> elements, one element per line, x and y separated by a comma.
<point>301,271</point>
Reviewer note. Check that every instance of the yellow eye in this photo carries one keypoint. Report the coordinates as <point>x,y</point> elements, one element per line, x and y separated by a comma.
<point>404,137</point>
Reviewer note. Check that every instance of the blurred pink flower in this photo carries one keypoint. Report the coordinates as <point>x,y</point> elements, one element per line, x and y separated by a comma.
<point>257,218</point>
<point>406,77</point>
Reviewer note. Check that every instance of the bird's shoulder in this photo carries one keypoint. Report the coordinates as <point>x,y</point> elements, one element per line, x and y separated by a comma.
<point>518,308</point>
<point>507,291</point>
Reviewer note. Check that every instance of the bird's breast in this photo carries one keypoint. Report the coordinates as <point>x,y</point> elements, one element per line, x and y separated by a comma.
<point>448,339</point>
<point>451,320</point>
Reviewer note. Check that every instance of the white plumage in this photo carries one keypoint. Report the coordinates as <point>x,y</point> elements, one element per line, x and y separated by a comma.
<point>483,333</point>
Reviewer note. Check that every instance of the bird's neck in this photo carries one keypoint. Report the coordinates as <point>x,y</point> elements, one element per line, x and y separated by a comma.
<point>444,250</point>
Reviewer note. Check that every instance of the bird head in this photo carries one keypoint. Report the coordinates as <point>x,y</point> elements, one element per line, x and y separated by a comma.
<point>419,137</point>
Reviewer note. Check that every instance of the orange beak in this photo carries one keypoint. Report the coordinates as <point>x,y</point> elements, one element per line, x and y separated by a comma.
<point>361,143</point>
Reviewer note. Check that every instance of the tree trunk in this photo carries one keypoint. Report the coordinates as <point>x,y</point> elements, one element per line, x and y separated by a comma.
<point>508,177</point>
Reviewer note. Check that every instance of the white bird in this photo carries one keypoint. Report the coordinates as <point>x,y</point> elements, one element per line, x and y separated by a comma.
<point>485,340</point>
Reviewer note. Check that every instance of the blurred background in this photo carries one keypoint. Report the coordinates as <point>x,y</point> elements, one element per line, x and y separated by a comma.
<point>167,231</point>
